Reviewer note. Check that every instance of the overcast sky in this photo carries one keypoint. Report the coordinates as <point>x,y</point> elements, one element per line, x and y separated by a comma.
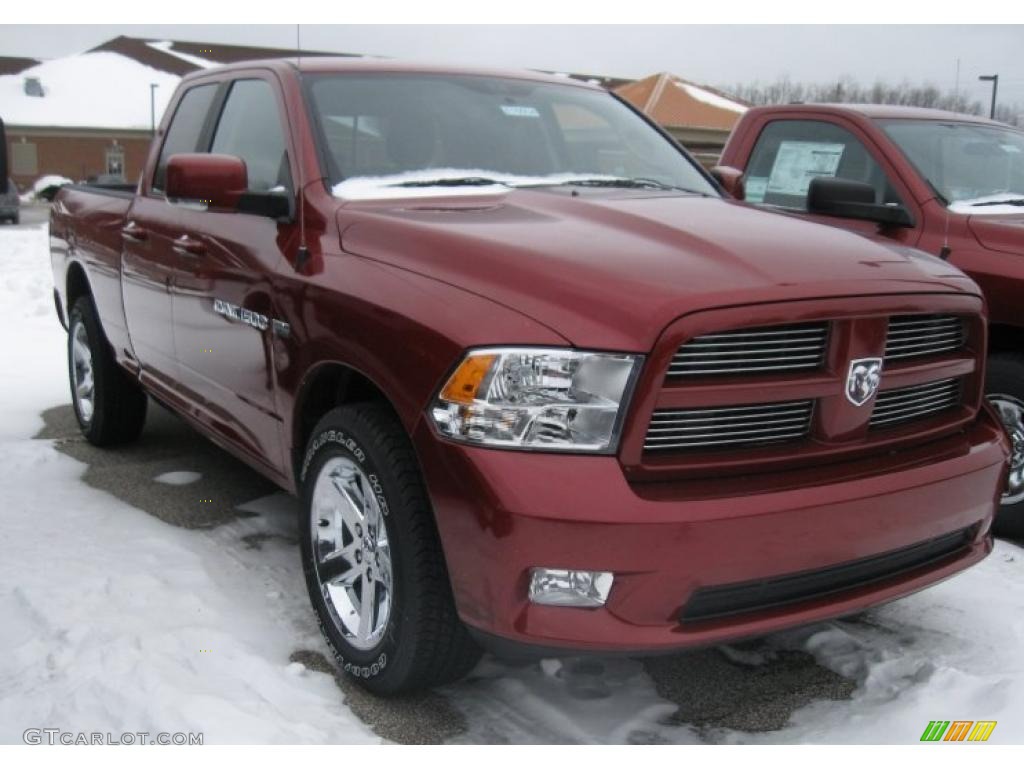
<point>715,55</point>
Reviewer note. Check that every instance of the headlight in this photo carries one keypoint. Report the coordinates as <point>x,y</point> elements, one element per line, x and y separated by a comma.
<point>539,399</point>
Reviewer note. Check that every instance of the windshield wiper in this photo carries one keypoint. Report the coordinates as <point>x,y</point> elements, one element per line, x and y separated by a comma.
<point>1019,201</point>
<point>462,181</point>
<point>638,182</point>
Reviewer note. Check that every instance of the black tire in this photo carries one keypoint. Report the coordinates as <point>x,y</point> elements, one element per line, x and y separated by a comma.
<point>423,642</point>
<point>1006,377</point>
<point>118,410</point>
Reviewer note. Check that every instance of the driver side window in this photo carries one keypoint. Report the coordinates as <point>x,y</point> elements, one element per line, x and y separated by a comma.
<point>790,153</point>
<point>250,128</point>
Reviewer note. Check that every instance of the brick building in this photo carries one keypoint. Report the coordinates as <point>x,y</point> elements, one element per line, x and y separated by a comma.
<point>92,113</point>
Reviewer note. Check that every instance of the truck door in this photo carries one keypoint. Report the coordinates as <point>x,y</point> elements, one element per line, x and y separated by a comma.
<point>789,153</point>
<point>224,307</point>
<point>148,261</point>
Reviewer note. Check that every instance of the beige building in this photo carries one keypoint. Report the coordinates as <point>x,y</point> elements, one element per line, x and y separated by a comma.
<point>699,117</point>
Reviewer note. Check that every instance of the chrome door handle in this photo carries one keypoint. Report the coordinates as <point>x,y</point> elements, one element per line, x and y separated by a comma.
<point>132,231</point>
<point>186,246</point>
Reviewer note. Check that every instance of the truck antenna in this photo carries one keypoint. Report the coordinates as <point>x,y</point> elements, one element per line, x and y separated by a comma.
<point>302,256</point>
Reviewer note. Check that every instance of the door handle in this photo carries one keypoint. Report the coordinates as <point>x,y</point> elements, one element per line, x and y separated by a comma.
<point>132,231</point>
<point>186,246</point>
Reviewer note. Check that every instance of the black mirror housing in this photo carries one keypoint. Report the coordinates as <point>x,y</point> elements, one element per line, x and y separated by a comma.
<point>853,200</point>
<point>273,205</point>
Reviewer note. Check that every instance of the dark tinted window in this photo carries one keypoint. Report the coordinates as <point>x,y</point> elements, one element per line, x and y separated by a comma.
<point>250,128</point>
<point>789,153</point>
<point>185,128</point>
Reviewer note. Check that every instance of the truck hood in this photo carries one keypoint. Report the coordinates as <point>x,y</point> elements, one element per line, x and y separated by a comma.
<point>611,271</point>
<point>999,233</point>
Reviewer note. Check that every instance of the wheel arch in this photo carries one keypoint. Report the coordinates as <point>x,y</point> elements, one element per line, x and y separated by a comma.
<point>328,385</point>
<point>76,285</point>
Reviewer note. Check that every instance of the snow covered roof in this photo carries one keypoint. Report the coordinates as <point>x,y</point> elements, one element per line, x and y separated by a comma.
<point>94,90</point>
<point>670,100</point>
<point>108,87</point>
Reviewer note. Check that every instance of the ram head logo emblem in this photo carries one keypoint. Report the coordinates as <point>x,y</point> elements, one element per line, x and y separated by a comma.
<point>863,379</point>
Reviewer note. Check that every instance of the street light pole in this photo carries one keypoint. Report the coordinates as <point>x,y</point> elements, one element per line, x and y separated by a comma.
<point>152,107</point>
<point>994,79</point>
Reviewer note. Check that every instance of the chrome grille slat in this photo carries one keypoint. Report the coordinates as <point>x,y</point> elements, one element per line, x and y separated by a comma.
<point>909,416</point>
<point>753,350</point>
<point>923,336</point>
<point>898,406</point>
<point>723,429</point>
<point>897,401</point>
<point>720,421</point>
<point>736,426</point>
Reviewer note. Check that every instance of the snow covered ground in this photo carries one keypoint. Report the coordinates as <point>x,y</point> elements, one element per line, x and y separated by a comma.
<point>114,621</point>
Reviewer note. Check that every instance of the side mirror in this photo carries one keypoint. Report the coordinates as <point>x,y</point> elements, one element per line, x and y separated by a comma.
<point>218,180</point>
<point>853,200</point>
<point>731,180</point>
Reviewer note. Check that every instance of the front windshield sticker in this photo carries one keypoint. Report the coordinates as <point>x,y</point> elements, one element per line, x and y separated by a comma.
<point>754,189</point>
<point>514,110</point>
<point>797,162</point>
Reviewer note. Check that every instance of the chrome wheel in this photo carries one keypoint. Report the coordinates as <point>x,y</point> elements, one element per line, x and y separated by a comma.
<point>351,553</point>
<point>1011,411</point>
<point>82,373</point>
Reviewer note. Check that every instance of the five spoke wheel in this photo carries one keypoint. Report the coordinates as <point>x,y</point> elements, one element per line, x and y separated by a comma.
<point>352,553</point>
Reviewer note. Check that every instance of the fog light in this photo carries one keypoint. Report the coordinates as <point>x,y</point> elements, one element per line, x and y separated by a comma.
<point>580,589</point>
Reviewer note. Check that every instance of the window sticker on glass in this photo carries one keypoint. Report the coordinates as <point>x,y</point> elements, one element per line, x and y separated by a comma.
<point>797,162</point>
<point>754,189</point>
<point>516,110</point>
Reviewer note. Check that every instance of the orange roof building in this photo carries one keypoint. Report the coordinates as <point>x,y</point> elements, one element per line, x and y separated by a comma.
<point>674,102</point>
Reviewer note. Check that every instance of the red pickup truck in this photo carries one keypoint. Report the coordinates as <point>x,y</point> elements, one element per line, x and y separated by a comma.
<point>537,383</point>
<point>946,183</point>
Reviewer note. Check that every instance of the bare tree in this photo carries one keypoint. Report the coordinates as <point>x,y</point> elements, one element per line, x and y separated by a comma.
<point>846,90</point>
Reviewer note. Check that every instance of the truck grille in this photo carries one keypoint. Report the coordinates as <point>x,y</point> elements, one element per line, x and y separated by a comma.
<point>779,349</point>
<point>738,426</point>
<point>923,335</point>
<point>897,406</point>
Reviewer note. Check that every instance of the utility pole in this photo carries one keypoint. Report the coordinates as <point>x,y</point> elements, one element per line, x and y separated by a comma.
<point>152,107</point>
<point>994,79</point>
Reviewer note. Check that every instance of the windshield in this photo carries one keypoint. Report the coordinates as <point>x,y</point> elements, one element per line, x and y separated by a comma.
<point>978,169</point>
<point>402,135</point>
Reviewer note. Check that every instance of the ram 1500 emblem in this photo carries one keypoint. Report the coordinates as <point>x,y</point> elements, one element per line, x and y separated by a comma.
<point>863,379</point>
<point>240,314</point>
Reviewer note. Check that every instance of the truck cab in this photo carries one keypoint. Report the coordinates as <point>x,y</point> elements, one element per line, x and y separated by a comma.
<point>945,183</point>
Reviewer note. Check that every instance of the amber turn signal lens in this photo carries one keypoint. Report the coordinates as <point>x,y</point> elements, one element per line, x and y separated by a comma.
<point>463,385</point>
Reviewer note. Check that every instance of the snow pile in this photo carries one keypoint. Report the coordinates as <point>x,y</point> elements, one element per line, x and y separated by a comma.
<point>998,204</point>
<point>709,97</point>
<point>951,652</point>
<point>44,183</point>
<point>390,187</point>
<point>99,90</point>
<point>112,620</point>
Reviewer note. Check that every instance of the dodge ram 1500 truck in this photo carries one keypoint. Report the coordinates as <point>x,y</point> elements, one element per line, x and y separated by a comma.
<point>538,385</point>
<point>949,184</point>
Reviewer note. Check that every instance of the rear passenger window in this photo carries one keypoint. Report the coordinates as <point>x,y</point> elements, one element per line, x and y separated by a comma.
<point>185,128</point>
<point>250,128</point>
<point>789,153</point>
